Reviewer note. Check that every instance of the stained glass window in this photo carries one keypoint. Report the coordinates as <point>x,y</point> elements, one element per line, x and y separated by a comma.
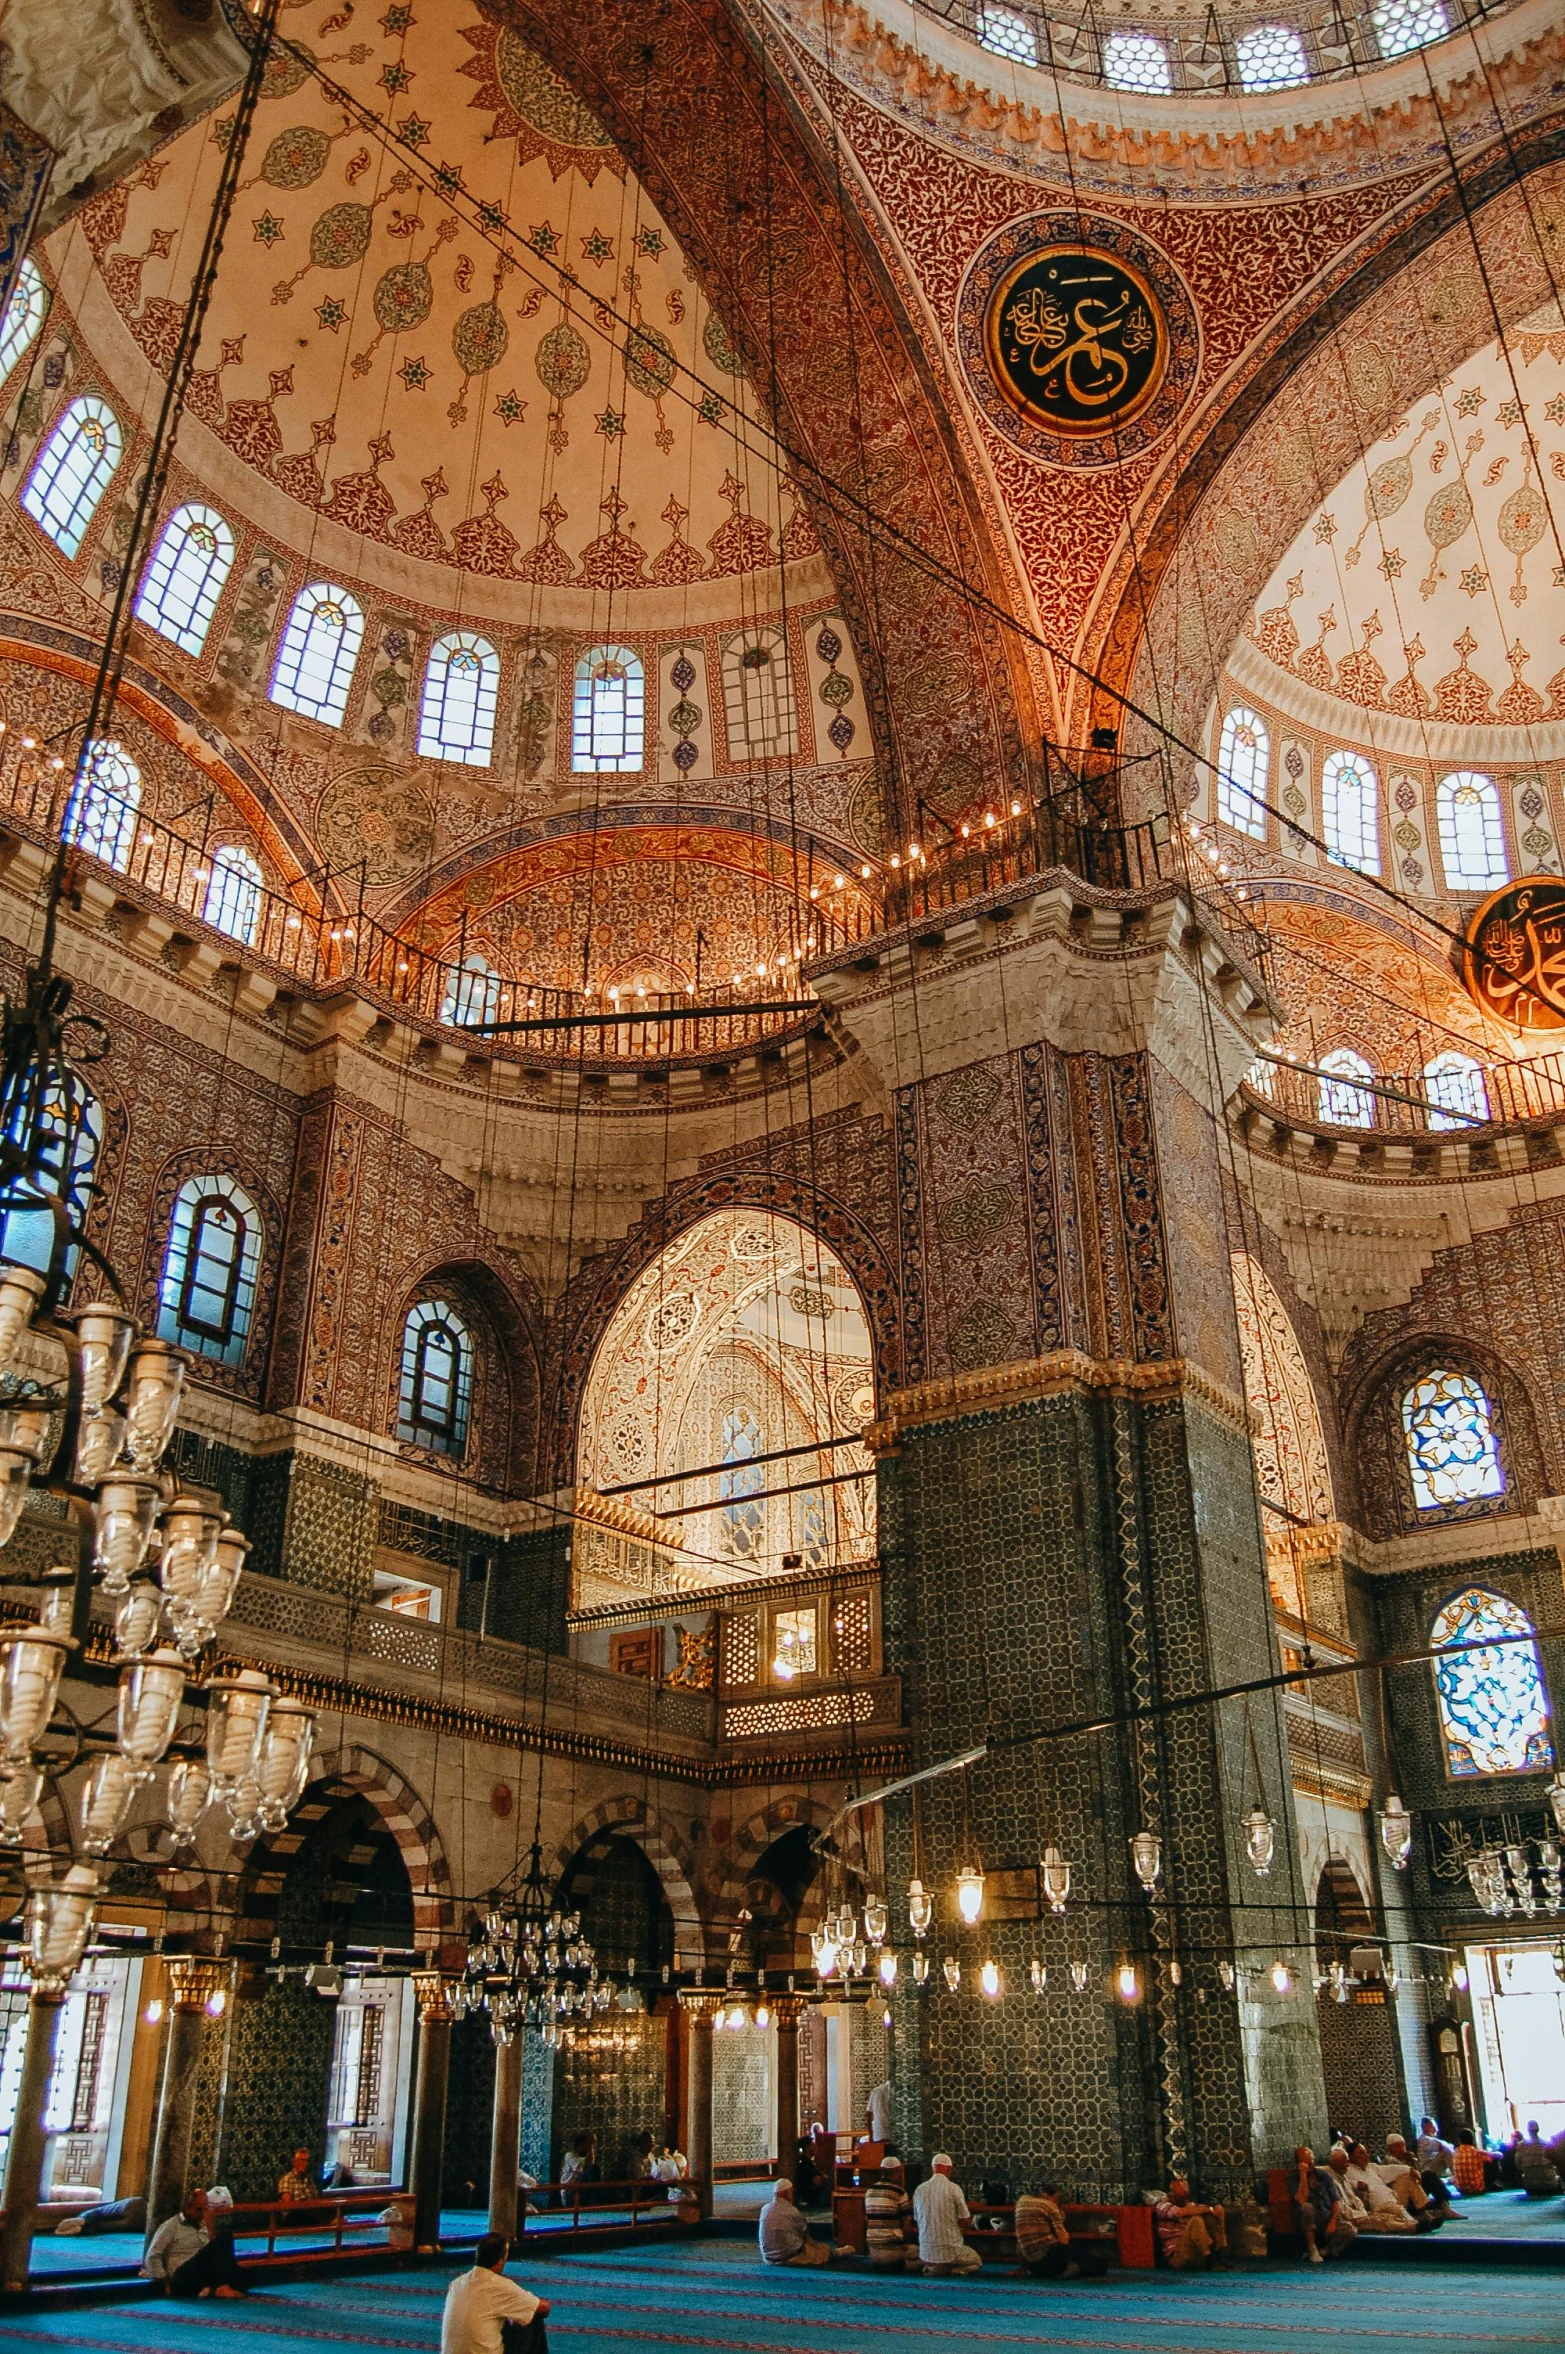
<point>70,1162</point>
<point>319,649</point>
<point>1452,1450</point>
<point>101,817</point>
<point>1342,1105</point>
<point>461,687</point>
<point>1243,756</point>
<point>209,1272</point>
<point>743,1523</point>
<point>1350,796</point>
<point>608,718</point>
<point>1494,1709</point>
<point>437,1378</point>
<point>1136,61</point>
<point>1472,834</point>
<point>77,465</point>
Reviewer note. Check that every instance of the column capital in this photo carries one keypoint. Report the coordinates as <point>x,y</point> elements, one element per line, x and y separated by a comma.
<point>193,1981</point>
<point>788,2009</point>
<point>703,2007</point>
<point>436,1998</point>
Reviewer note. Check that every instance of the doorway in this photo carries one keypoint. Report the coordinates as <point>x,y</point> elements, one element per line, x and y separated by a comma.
<point>1519,2016</point>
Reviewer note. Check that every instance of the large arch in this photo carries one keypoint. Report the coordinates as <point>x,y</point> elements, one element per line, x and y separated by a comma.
<point>633,1819</point>
<point>744,1336</point>
<point>692,99</point>
<point>340,1773</point>
<point>1375,338</point>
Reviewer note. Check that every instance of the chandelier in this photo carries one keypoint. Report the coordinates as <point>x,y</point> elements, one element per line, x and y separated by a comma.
<point>529,1965</point>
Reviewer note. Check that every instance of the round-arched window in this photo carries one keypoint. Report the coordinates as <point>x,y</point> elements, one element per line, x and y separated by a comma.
<point>1494,1706</point>
<point>1453,1452</point>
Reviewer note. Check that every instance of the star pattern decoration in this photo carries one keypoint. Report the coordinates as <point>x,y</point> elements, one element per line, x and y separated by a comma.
<point>1469,403</point>
<point>510,408</point>
<point>597,248</point>
<point>1325,529</point>
<point>332,313</point>
<point>395,21</point>
<point>414,132</point>
<point>268,229</point>
<point>544,238</point>
<point>1511,412</point>
<point>448,178</point>
<point>414,374</point>
<point>611,423</point>
<point>710,409</point>
<point>395,78</point>
<point>1392,564</point>
<point>650,242</point>
<point>1474,580</point>
<point>1554,410</point>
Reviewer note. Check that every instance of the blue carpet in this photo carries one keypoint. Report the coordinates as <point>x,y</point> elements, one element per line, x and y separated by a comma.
<point>714,2297</point>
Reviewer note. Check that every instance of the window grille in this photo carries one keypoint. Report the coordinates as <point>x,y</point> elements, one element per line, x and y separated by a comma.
<point>1350,812</point>
<point>461,686</point>
<point>73,470</point>
<point>1271,57</point>
<point>1342,1105</point>
<point>24,315</point>
<point>742,1648</point>
<point>758,694</point>
<point>70,1164</point>
<point>1455,1087</point>
<point>852,1627</point>
<point>1401,25</point>
<point>233,893</point>
<point>1243,762</point>
<point>743,1524</point>
<point>1007,34</point>
<point>1135,61</point>
<point>437,1379</point>
<point>608,720</point>
<point>472,993</point>
<point>210,1268</point>
<point>320,647</point>
<point>184,579</point>
<point>1452,1451</point>
<point>101,817</point>
<point>1472,832</point>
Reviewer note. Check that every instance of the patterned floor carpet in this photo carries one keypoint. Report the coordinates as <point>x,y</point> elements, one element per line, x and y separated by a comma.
<point>715,2298</point>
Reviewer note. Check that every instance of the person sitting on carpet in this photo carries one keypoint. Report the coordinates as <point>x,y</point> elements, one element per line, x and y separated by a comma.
<point>579,2165</point>
<point>1043,2240</point>
<point>1382,2205</point>
<point>783,2233</point>
<point>487,2314</point>
<point>1434,2160</point>
<point>888,2219</point>
<point>1193,2238</point>
<point>1401,2178</point>
<point>1319,2199</point>
<point>298,2183</point>
<point>1535,2169</point>
<point>941,2211</point>
<point>1472,2169</point>
<point>192,2254</point>
<point>639,2165</point>
<point>1432,2186</point>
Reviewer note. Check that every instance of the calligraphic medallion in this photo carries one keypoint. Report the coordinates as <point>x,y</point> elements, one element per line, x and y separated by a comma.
<point>1079,338</point>
<point>1514,964</point>
<point>1076,339</point>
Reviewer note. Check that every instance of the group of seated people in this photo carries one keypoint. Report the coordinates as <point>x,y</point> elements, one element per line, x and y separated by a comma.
<point>923,2233</point>
<point>646,2162</point>
<point>1407,2190</point>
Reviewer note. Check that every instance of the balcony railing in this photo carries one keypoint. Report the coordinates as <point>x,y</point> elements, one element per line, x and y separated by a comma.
<point>1409,1103</point>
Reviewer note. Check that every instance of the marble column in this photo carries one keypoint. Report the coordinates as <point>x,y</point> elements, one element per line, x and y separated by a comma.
<point>429,2112</point>
<point>191,1984</point>
<point>700,2012</point>
<point>506,2147</point>
<point>24,2164</point>
<point>788,2010</point>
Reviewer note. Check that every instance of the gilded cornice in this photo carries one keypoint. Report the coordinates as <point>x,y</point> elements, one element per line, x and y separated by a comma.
<point>1061,1373</point>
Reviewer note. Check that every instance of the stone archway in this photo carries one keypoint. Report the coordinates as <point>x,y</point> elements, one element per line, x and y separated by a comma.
<point>340,1772</point>
<point>633,1819</point>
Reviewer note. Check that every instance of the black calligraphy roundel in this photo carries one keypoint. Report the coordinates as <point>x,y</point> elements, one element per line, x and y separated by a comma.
<point>1515,961</point>
<point>1079,338</point>
<point>1076,339</point>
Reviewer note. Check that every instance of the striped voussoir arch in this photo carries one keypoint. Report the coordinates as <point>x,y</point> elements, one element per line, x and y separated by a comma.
<point>341,1773</point>
<point>631,1818</point>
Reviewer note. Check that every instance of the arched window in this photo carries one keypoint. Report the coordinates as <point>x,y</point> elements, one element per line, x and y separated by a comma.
<point>1343,1105</point>
<point>233,893</point>
<point>74,469</point>
<point>743,1524</point>
<point>608,720</point>
<point>101,817</point>
<point>70,1162</point>
<point>1271,57</point>
<point>758,693</point>
<point>24,315</point>
<point>1350,811</point>
<point>460,688</point>
<point>184,580</point>
<point>1472,833</point>
<point>1244,754</point>
<point>437,1379</point>
<point>1135,61</point>
<point>1494,1707</point>
<point>319,649</point>
<point>210,1268</point>
<point>1457,1094</point>
<point>472,993</point>
<point>1452,1451</point>
<point>1007,33</point>
<point>1401,25</point>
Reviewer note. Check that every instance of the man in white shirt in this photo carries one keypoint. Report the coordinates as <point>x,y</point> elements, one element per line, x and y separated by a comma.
<point>1384,2211</point>
<point>877,2113</point>
<point>940,2211</point>
<point>192,2259</point>
<point>479,2304</point>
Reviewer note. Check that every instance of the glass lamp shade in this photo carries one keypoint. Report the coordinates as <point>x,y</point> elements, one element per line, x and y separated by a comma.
<point>137,1620</point>
<point>21,1289</point>
<point>100,1442</point>
<point>887,1966</point>
<point>58,1607</point>
<point>244,1807</point>
<point>26,1429</point>
<point>150,1694</point>
<point>1282,1977</point>
<point>1557,1801</point>
<point>59,1924</point>
<point>970,1893</point>
<point>106,1800</point>
<point>847,1925</point>
<point>920,1908</point>
<point>1079,1976</point>
<point>18,1797</point>
<point>876,1919</point>
<point>1146,1853</point>
<point>214,1596</point>
<point>157,1378</point>
<point>123,1516</point>
<point>1225,1971</point>
<point>104,1335</point>
<point>1039,1974</point>
<point>1396,1832</point>
<point>283,1761</point>
<point>189,1788</point>
<point>1260,1839</point>
<point>190,1534</point>
<point>1126,1984</point>
<point>29,1688</point>
<point>952,1971</point>
<point>16,1471</point>
<point>1056,1879</point>
<point>237,1709</point>
<point>920,1969</point>
<point>989,1980</point>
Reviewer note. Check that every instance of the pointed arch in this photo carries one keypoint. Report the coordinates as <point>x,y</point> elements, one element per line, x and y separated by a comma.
<point>340,1773</point>
<point>632,1818</point>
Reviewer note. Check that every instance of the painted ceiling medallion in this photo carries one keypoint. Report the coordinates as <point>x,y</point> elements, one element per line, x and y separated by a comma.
<point>1515,962</point>
<point>1078,337</point>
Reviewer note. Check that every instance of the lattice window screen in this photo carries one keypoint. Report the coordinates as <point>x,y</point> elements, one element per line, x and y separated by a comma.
<point>851,1630</point>
<point>742,1648</point>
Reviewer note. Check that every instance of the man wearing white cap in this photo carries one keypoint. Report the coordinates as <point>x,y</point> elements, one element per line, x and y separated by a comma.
<point>941,2211</point>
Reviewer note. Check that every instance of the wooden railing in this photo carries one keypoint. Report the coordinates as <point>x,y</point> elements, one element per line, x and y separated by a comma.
<point>606,2206</point>
<point>344,2219</point>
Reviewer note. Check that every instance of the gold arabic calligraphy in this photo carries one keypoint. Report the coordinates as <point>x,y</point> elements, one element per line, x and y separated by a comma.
<point>1090,371</point>
<point>1516,961</point>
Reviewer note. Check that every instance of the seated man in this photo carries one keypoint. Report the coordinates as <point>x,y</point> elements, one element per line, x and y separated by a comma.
<point>888,2221</point>
<point>298,2183</point>
<point>941,2211</point>
<point>784,2235</point>
<point>487,2314</point>
<point>1434,2161</point>
<point>1193,2238</point>
<point>1535,2169</point>
<point>1043,2240</point>
<point>1398,2170</point>
<point>192,2254</point>
<point>1472,2169</point>
<point>1383,2209</point>
<point>1321,2202</point>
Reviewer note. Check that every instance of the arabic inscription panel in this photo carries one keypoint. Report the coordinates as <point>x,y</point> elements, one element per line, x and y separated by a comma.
<point>1078,337</point>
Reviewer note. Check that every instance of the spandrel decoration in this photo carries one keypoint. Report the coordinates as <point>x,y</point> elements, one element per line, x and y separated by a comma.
<point>1077,339</point>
